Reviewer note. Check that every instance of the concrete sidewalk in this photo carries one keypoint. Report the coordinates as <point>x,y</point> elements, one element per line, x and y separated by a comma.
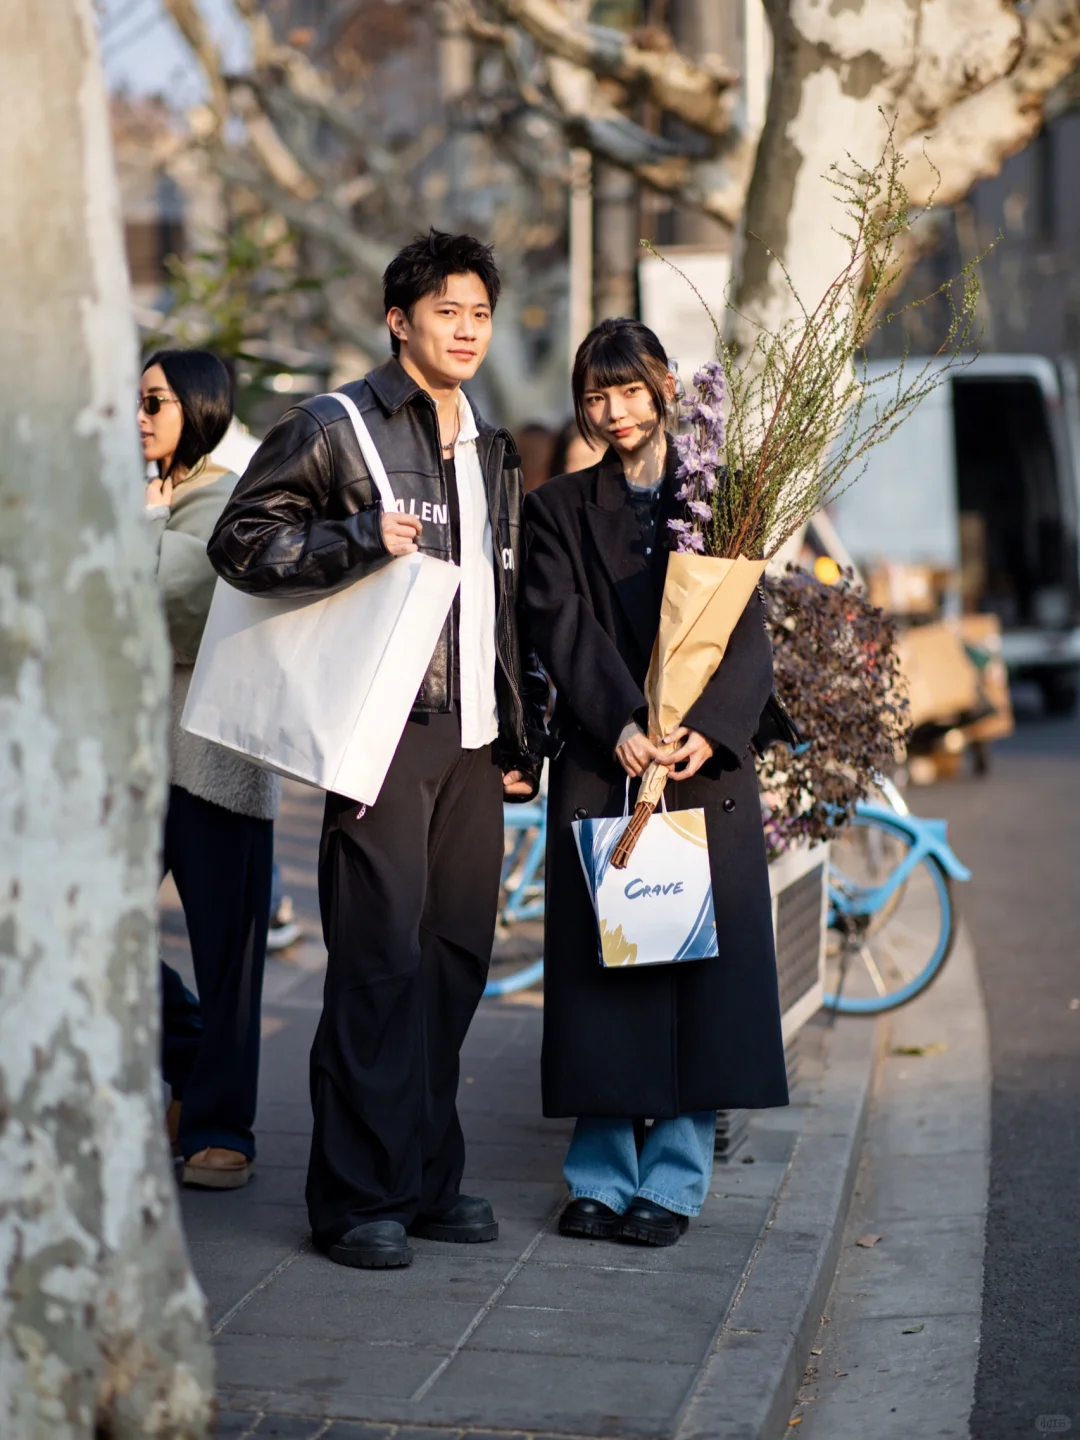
<point>534,1333</point>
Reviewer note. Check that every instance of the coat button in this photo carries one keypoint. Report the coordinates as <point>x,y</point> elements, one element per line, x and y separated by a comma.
<point>581,813</point>
<point>729,805</point>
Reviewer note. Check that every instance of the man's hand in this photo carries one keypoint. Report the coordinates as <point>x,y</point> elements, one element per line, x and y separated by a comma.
<point>516,784</point>
<point>693,749</point>
<point>159,492</point>
<point>400,533</point>
<point>636,754</point>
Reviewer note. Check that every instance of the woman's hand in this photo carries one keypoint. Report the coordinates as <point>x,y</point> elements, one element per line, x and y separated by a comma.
<point>517,785</point>
<point>692,753</point>
<point>159,492</point>
<point>400,533</point>
<point>637,754</point>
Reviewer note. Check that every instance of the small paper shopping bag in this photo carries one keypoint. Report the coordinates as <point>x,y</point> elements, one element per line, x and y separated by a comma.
<point>660,909</point>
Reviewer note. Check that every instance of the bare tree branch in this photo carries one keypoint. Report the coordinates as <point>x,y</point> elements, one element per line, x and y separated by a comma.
<point>698,94</point>
<point>319,218</point>
<point>190,23</point>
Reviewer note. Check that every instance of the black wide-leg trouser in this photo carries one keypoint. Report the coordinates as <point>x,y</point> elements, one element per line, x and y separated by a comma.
<point>222,864</point>
<point>409,891</point>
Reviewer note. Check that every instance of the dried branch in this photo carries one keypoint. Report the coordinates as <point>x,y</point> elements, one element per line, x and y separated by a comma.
<point>801,418</point>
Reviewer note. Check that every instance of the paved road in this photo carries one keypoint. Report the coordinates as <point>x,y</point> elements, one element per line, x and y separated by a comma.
<point>1020,832</point>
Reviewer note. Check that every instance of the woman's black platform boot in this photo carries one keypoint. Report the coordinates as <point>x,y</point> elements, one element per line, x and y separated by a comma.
<point>589,1220</point>
<point>648,1224</point>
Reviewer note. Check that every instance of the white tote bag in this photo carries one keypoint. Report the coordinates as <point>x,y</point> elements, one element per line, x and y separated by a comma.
<point>659,910</point>
<point>319,689</point>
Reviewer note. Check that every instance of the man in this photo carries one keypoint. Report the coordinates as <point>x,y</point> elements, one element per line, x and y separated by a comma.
<point>408,887</point>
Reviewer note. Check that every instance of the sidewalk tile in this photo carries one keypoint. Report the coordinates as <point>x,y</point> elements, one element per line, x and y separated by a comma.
<point>566,1392</point>
<point>350,1430</point>
<point>231,1424</point>
<point>348,1368</point>
<point>288,1427</point>
<point>633,1334</point>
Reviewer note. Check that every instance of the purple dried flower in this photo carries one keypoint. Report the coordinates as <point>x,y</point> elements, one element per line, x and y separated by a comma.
<point>708,415</point>
<point>696,459</point>
<point>709,380</point>
<point>700,509</point>
<point>689,539</point>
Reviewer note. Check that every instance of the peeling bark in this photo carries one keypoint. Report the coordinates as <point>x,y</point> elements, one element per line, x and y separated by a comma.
<point>102,1325</point>
<point>699,95</point>
<point>842,74</point>
<point>973,140</point>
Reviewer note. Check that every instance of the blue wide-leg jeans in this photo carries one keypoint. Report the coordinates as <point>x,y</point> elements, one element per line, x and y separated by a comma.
<point>673,1169</point>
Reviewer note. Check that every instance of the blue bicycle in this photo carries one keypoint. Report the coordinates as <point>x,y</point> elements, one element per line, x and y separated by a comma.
<point>891,919</point>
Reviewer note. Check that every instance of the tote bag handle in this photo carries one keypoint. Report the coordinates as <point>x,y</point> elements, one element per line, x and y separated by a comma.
<point>372,458</point>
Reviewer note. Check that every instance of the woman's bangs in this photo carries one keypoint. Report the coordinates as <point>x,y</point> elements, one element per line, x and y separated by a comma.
<point>614,362</point>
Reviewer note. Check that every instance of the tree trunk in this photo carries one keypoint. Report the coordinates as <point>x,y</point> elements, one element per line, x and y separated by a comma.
<point>841,74</point>
<point>102,1326</point>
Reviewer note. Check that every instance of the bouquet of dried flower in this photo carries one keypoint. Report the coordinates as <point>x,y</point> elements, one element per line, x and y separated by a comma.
<point>774,435</point>
<point>835,655</point>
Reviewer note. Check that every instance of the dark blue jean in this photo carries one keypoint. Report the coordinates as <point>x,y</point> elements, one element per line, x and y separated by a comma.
<point>221,864</point>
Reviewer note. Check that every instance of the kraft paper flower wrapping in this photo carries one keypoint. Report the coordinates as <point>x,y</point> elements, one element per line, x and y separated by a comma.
<point>703,599</point>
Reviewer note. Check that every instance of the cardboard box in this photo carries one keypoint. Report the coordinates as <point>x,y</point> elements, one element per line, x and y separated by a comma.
<point>942,683</point>
<point>983,634</point>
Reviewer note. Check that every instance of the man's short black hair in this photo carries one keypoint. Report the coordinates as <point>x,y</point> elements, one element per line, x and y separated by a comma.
<point>425,265</point>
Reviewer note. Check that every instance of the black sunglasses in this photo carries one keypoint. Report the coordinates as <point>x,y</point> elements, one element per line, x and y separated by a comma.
<point>151,404</point>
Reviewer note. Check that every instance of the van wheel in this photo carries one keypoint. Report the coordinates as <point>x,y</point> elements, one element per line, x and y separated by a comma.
<point>1060,693</point>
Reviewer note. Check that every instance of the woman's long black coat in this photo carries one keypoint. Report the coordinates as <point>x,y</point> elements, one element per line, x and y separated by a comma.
<point>670,1039</point>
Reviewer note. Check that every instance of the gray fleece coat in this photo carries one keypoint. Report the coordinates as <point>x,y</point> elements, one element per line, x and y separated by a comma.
<point>186,579</point>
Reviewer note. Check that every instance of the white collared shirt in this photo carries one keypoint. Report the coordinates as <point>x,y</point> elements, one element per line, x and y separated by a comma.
<point>476,601</point>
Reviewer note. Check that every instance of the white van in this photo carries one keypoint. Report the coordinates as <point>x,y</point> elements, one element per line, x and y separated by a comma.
<point>983,478</point>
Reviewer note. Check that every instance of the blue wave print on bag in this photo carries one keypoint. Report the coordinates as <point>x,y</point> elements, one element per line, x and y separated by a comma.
<point>660,909</point>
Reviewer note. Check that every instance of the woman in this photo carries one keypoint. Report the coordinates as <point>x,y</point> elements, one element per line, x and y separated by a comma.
<point>220,821</point>
<point>671,1042</point>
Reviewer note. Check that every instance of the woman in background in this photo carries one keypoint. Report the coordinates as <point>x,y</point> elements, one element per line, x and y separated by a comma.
<point>219,826</point>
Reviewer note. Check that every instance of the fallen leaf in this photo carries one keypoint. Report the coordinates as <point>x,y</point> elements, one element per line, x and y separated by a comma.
<point>815,1352</point>
<point>839,1374</point>
<point>936,1047</point>
<point>866,1241</point>
<point>912,1329</point>
<point>1074,1004</point>
<point>796,1421</point>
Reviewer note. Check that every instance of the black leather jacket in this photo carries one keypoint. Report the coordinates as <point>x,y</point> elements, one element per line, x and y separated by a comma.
<point>306,518</point>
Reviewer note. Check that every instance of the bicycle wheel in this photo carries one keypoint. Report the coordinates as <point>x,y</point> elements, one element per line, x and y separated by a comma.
<point>888,936</point>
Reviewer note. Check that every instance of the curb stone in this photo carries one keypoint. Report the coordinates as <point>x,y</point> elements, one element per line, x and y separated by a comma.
<point>753,1371</point>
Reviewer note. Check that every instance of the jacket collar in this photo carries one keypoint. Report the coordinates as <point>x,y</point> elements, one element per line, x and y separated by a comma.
<point>394,387</point>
